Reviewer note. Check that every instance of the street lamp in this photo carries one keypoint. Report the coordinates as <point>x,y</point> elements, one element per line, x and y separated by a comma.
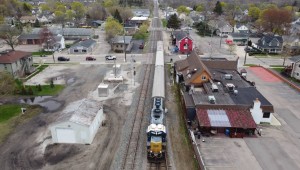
<point>124,40</point>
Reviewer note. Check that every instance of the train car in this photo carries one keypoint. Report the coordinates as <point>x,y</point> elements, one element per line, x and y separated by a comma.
<point>156,131</point>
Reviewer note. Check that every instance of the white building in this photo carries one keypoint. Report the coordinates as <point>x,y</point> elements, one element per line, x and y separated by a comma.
<point>258,115</point>
<point>79,123</point>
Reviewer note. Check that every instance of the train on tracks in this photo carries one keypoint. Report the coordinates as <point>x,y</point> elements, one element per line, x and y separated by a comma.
<point>156,131</point>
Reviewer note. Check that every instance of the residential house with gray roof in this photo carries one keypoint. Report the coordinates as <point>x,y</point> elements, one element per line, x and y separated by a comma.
<point>270,44</point>
<point>118,45</point>
<point>294,69</point>
<point>83,47</point>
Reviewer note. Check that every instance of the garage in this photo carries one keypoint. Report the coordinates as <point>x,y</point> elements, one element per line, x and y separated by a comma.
<point>78,122</point>
<point>65,135</point>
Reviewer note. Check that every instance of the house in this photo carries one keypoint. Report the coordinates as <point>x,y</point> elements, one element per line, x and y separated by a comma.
<point>291,44</point>
<point>183,41</point>
<point>28,19</point>
<point>196,17</point>
<point>17,63</point>
<point>293,70</point>
<point>239,38</point>
<point>35,39</point>
<point>138,21</point>
<point>79,124</point>
<point>141,12</point>
<point>241,28</point>
<point>130,28</point>
<point>270,44</point>
<point>218,98</point>
<point>118,45</point>
<point>221,27</point>
<point>45,18</point>
<point>83,47</point>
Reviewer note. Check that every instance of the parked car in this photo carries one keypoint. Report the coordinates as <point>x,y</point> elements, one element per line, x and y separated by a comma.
<point>63,58</point>
<point>110,57</point>
<point>90,58</point>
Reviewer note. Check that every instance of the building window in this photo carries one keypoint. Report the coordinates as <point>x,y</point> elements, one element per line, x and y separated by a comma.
<point>297,74</point>
<point>5,67</point>
<point>76,51</point>
<point>185,46</point>
<point>299,65</point>
<point>84,51</point>
<point>117,46</point>
<point>121,46</point>
<point>266,115</point>
<point>203,77</point>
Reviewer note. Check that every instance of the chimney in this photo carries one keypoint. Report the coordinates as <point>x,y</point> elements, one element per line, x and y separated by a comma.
<point>256,104</point>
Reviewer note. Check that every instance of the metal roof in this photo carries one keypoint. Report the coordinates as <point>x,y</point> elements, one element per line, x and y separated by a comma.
<point>218,118</point>
<point>159,61</point>
<point>86,43</point>
<point>158,89</point>
<point>81,112</point>
<point>120,40</point>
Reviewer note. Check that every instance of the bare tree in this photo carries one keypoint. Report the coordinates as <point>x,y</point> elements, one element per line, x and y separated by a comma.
<point>10,35</point>
<point>7,84</point>
<point>47,38</point>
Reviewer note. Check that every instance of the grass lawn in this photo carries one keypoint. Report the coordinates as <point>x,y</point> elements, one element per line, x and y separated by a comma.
<point>46,90</point>
<point>278,69</point>
<point>11,117</point>
<point>164,22</point>
<point>39,53</point>
<point>8,111</point>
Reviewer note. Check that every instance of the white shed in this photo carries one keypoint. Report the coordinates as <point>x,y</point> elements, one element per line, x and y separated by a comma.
<point>79,122</point>
<point>103,90</point>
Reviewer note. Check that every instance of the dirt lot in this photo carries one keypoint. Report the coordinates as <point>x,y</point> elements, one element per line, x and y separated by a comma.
<point>29,147</point>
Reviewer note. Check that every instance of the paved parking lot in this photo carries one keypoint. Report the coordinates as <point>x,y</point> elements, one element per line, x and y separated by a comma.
<point>279,147</point>
<point>227,154</point>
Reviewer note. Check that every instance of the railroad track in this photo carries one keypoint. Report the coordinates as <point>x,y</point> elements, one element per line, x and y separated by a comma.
<point>129,163</point>
<point>159,166</point>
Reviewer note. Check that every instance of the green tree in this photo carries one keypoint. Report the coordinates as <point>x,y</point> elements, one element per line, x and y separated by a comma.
<point>218,8</point>
<point>203,28</point>
<point>200,8</point>
<point>79,11</point>
<point>108,3</point>
<point>174,22</point>
<point>45,7</point>
<point>254,13</point>
<point>69,15</point>
<point>112,28</point>
<point>37,23</point>
<point>27,8</point>
<point>117,16</point>
<point>60,17</point>
<point>183,9</point>
<point>142,32</point>
<point>30,91</point>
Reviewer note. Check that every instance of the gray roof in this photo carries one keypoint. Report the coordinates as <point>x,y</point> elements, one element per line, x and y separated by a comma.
<point>85,43</point>
<point>29,36</point>
<point>269,41</point>
<point>81,112</point>
<point>179,35</point>
<point>120,40</point>
<point>67,31</point>
<point>295,58</point>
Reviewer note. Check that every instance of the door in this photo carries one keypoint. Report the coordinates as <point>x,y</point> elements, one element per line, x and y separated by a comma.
<point>65,135</point>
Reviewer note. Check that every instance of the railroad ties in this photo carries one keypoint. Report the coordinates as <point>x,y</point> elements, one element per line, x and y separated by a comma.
<point>129,163</point>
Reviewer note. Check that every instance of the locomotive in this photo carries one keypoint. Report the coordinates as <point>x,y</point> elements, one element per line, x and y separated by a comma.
<point>156,131</point>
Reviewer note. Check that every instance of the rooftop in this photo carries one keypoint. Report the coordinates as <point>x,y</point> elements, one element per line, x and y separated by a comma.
<point>237,118</point>
<point>82,112</point>
<point>8,57</point>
